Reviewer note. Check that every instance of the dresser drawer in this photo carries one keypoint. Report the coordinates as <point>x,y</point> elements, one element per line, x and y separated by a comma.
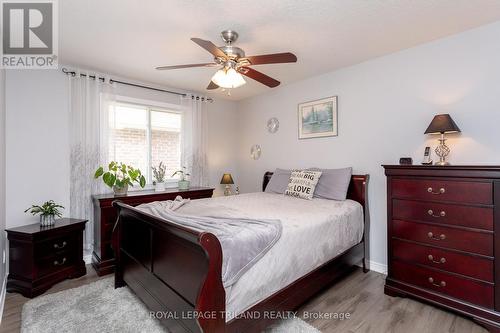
<point>480,293</point>
<point>443,190</point>
<point>447,237</point>
<point>55,245</point>
<point>468,216</point>
<point>469,265</point>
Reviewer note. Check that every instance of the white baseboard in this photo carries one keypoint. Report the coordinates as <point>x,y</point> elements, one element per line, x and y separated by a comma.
<point>2,296</point>
<point>87,259</point>
<point>376,267</point>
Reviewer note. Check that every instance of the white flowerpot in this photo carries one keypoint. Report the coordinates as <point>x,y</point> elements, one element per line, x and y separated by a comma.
<point>159,187</point>
<point>120,191</point>
<point>47,220</point>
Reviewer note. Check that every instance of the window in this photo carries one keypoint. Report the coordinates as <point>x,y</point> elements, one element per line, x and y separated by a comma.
<point>143,136</point>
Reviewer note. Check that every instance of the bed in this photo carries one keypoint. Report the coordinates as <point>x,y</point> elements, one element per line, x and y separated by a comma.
<point>176,271</point>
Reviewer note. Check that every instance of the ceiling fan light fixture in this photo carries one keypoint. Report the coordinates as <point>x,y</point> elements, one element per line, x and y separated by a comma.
<point>228,78</point>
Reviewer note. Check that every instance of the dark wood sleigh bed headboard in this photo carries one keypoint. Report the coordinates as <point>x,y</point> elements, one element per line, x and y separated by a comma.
<point>358,188</point>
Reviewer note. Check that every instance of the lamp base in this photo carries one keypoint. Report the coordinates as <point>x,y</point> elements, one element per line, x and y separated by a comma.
<point>443,163</point>
<point>227,190</point>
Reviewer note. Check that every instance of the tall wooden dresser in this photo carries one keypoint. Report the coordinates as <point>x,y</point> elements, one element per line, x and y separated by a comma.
<point>443,232</point>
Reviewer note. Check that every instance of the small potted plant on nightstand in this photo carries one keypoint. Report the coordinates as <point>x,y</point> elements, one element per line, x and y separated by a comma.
<point>119,176</point>
<point>159,174</point>
<point>48,212</point>
<point>183,182</point>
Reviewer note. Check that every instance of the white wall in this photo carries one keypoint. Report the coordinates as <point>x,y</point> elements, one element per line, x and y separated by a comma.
<point>385,105</point>
<point>2,186</point>
<point>38,139</point>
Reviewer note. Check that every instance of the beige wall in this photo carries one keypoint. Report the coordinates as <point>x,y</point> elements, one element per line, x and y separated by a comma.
<point>2,182</point>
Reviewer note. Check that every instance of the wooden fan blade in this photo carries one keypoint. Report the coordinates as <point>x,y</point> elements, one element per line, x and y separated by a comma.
<point>258,76</point>
<point>212,86</point>
<point>276,58</point>
<point>208,64</point>
<point>210,47</point>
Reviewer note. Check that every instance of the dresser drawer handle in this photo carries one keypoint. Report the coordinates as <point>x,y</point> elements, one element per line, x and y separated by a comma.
<point>440,284</point>
<point>441,213</point>
<point>431,235</point>
<point>441,261</point>
<point>62,246</point>
<point>57,263</point>
<point>431,190</point>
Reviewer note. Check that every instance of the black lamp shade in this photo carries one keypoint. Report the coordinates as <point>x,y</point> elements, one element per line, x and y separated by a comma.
<point>226,179</point>
<point>442,123</point>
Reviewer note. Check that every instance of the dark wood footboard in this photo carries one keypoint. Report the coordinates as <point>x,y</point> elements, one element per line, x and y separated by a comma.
<point>176,271</point>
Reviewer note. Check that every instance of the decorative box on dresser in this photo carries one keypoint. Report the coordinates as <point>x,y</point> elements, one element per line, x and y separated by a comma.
<point>105,216</point>
<point>443,232</point>
<point>39,257</point>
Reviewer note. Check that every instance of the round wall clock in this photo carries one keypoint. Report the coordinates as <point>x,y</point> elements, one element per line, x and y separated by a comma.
<point>255,152</point>
<point>273,125</point>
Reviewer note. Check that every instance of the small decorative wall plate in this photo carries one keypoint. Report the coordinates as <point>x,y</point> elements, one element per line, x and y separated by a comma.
<point>255,152</point>
<point>273,125</point>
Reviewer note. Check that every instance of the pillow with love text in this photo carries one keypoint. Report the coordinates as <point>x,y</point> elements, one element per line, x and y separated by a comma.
<point>302,183</point>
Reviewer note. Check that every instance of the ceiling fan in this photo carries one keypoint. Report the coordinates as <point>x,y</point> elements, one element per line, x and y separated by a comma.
<point>233,63</point>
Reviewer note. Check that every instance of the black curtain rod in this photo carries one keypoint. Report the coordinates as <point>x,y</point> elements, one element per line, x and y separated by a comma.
<point>73,73</point>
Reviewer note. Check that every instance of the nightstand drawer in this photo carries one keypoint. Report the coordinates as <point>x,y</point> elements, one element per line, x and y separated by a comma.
<point>53,264</point>
<point>443,190</point>
<point>55,245</point>
<point>480,293</point>
<point>468,265</point>
<point>461,215</point>
<point>447,237</point>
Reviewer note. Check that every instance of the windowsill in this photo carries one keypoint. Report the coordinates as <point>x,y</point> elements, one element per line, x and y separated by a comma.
<point>168,184</point>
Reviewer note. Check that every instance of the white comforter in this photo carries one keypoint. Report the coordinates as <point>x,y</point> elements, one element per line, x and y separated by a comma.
<point>314,231</point>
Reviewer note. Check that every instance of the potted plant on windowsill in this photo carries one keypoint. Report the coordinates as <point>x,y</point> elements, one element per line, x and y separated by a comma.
<point>183,182</point>
<point>48,212</point>
<point>159,175</point>
<point>119,176</point>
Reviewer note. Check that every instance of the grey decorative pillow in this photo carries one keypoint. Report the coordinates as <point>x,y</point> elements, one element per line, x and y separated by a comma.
<point>302,184</point>
<point>333,183</point>
<point>279,181</point>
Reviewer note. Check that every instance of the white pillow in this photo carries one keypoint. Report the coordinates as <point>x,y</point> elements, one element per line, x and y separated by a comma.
<point>302,183</point>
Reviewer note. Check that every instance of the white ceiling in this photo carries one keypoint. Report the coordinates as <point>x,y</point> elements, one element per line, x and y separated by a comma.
<point>130,38</point>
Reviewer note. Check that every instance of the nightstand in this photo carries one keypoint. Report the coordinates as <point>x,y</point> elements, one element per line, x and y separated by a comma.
<point>41,257</point>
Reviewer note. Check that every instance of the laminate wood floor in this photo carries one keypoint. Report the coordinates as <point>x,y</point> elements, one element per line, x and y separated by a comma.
<point>361,295</point>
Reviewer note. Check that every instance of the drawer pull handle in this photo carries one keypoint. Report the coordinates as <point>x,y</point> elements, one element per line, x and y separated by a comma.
<point>441,213</point>
<point>441,261</point>
<point>62,246</point>
<point>431,190</point>
<point>440,284</point>
<point>431,235</point>
<point>57,263</point>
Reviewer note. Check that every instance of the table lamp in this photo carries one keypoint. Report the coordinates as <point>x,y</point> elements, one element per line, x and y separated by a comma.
<point>441,124</point>
<point>227,180</point>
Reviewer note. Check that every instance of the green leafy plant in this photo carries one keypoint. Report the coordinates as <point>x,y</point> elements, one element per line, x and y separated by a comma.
<point>48,208</point>
<point>159,172</point>
<point>120,175</point>
<point>183,174</point>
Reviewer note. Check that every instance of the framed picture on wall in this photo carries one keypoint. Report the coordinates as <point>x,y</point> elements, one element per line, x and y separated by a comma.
<point>318,118</point>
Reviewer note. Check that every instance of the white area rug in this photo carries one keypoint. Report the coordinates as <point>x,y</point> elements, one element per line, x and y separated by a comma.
<point>98,307</point>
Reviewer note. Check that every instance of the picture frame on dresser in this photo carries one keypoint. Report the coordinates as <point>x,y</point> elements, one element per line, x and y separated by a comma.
<point>443,238</point>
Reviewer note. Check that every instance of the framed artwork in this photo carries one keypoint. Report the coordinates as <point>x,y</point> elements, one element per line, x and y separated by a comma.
<point>318,118</point>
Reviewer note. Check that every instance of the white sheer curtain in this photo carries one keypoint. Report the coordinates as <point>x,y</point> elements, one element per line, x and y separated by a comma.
<point>194,138</point>
<point>90,101</point>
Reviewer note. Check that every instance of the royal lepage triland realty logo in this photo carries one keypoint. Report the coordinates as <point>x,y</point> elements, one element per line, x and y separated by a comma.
<point>29,34</point>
